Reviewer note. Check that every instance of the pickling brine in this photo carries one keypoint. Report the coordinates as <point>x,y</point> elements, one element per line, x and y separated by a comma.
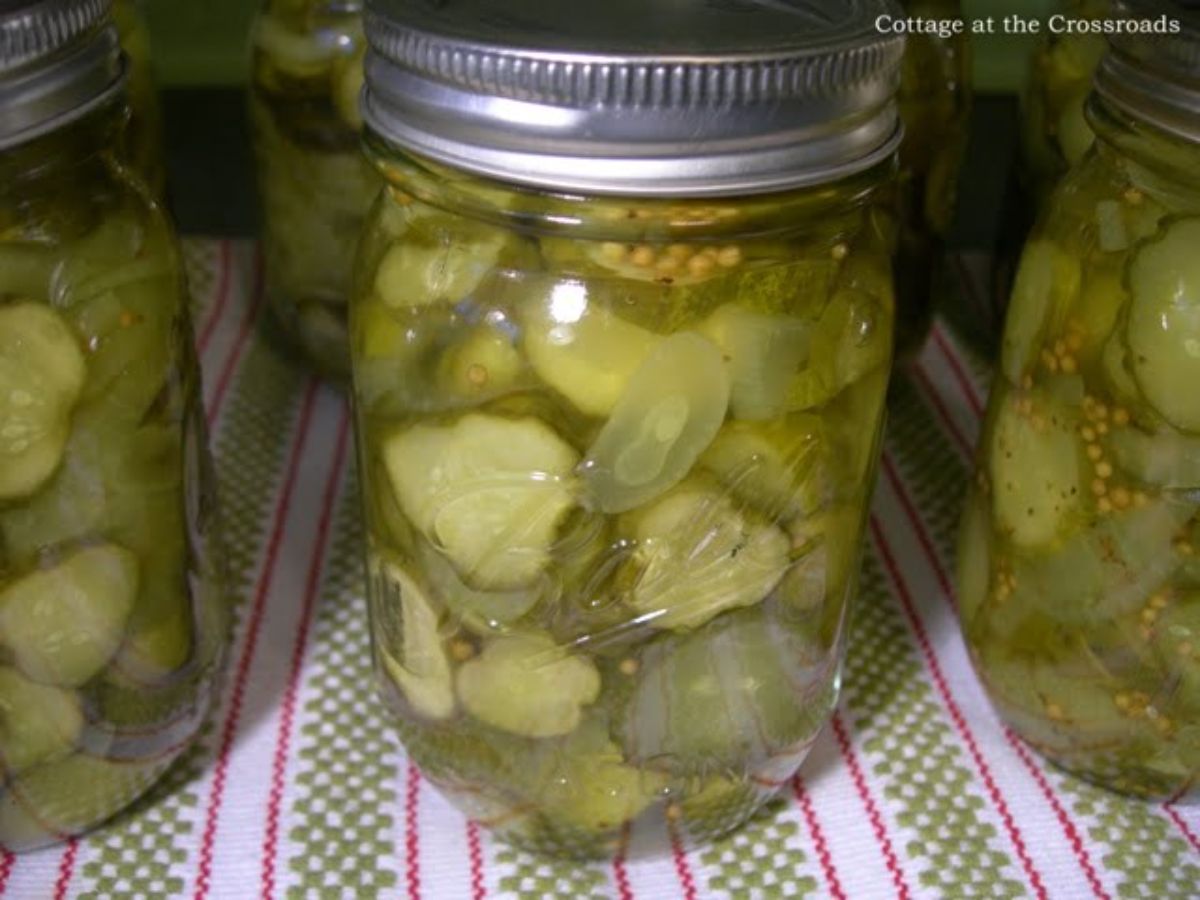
<point>315,184</point>
<point>111,618</point>
<point>1079,584</point>
<point>614,481</point>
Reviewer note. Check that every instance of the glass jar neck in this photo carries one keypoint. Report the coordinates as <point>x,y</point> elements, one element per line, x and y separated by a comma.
<point>622,218</point>
<point>1155,155</point>
<point>60,163</point>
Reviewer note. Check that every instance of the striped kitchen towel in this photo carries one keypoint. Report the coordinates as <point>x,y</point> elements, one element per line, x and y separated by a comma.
<point>299,788</point>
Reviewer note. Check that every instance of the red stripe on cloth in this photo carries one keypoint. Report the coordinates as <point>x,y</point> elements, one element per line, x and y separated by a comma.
<point>873,816</point>
<point>475,857</point>
<point>214,315</point>
<point>1060,812</point>
<point>939,407</point>
<point>682,869</point>
<point>66,869</point>
<point>959,370</point>
<point>237,697</point>
<point>960,722</point>
<point>620,876</point>
<point>1183,826</point>
<point>948,593</point>
<point>226,376</point>
<point>7,861</point>
<point>287,716</point>
<point>412,847</point>
<point>818,836</point>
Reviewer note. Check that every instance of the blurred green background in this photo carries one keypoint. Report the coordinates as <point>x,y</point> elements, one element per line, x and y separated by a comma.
<point>202,42</point>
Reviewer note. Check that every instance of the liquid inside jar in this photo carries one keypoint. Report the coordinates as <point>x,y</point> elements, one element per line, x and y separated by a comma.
<point>614,483</point>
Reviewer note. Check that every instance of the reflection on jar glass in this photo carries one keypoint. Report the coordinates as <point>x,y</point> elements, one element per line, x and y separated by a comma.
<point>615,449</point>
<point>112,622</point>
<point>314,181</point>
<point>1078,580</point>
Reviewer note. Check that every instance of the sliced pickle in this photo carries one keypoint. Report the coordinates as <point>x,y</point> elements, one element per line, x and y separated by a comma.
<point>527,685</point>
<point>668,414</point>
<point>489,491</point>
<point>727,697</point>
<point>584,351</point>
<point>75,793</point>
<point>438,261</point>
<point>1101,572</point>
<point>586,785</point>
<point>974,559</point>
<point>481,611</point>
<point>482,365</point>
<point>419,665</point>
<point>1164,321</point>
<point>852,337</point>
<point>1036,473</point>
<point>1045,288</point>
<point>698,556</point>
<point>765,353</point>
<point>38,723</point>
<point>42,374</point>
<point>26,271</point>
<point>1164,459</point>
<point>63,624</point>
<point>780,468</point>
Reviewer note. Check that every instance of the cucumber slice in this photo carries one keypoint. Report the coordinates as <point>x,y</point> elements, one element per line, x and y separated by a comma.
<point>489,491</point>
<point>765,353</point>
<point>159,637</point>
<point>1177,640</point>
<point>668,414</point>
<point>1165,459</point>
<point>42,373</point>
<point>348,81</point>
<point>73,794</point>
<point>1163,328</point>
<point>974,559</point>
<point>527,685</point>
<point>1045,290</point>
<point>726,698</point>
<point>26,271</point>
<point>1075,135</point>
<point>438,261</point>
<point>298,54</point>
<point>483,365</point>
<point>781,469</point>
<point>1035,468</point>
<point>38,723</point>
<point>698,556</point>
<point>852,338</point>
<point>62,625</point>
<point>481,611</point>
<point>718,804</point>
<point>585,352</point>
<point>413,658</point>
<point>586,788</point>
<point>1103,572</point>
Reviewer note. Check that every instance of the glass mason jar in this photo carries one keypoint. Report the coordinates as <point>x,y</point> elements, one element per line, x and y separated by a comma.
<point>1054,130</point>
<point>617,423</point>
<point>315,184</point>
<point>935,105</point>
<point>1078,578</point>
<point>144,136</point>
<point>111,620</point>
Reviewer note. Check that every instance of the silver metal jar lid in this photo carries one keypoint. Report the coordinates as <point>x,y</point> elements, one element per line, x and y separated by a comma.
<point>637,97</point>
<point>1154,76</point>
<point>59,59</point>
